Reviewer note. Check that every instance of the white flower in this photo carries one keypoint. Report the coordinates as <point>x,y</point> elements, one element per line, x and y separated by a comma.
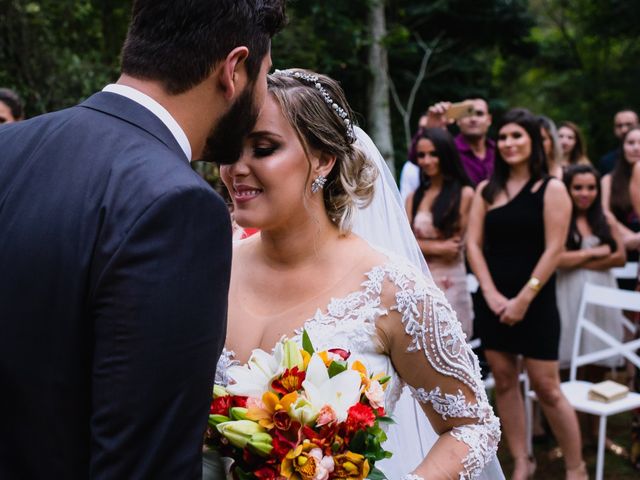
<point>324,466</point>
<point>340,392</point>
<point>303,411</point>
<point>254,378</point>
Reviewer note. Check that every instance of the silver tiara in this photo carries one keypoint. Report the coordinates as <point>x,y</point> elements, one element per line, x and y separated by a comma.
<point>313,80</point>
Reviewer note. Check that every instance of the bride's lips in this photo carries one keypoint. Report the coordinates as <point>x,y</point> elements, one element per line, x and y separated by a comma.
<point>245,193</point>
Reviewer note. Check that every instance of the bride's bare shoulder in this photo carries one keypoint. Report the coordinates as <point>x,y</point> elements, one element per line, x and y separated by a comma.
<point>355,247</point>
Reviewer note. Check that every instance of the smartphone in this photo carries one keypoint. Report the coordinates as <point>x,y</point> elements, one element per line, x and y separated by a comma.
<point>460,110</point>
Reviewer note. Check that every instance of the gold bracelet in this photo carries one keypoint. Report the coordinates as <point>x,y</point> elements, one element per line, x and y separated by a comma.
<point>534,284</point>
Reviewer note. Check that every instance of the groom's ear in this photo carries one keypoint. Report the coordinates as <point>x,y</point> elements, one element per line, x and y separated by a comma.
<point>232,74</point>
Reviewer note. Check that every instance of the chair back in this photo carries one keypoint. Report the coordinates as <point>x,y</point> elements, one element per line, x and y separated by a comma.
<point>629,271</point>
<point>612,298</point>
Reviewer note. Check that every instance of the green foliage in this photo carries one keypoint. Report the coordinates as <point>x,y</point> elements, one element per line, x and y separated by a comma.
<point>569,59</point>
<point>586,67</point>
<point>57,52</point>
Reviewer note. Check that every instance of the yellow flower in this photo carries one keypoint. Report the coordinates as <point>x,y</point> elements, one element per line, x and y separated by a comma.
<point>271,405</point>
<point>299,464</point>
<point>352,466</point>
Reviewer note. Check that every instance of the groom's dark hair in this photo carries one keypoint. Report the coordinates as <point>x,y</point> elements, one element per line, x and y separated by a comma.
<point>178,42</point>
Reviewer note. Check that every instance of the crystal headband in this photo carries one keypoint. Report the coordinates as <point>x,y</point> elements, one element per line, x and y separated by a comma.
<point>313,80</point>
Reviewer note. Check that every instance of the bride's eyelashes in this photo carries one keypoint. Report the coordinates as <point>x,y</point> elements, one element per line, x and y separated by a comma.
<point>264,151</point>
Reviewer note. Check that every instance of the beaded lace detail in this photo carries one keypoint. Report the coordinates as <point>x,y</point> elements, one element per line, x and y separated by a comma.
<point>431,323</point>
<point>350,323</point>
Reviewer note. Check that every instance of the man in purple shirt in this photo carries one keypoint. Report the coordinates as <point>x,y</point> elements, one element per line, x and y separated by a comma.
<point>477,152</point>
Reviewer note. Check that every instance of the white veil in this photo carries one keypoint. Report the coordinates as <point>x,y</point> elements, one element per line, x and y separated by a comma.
<point>384,224</point>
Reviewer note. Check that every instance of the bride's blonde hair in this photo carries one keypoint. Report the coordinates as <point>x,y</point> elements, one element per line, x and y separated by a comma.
<point>307,101</point>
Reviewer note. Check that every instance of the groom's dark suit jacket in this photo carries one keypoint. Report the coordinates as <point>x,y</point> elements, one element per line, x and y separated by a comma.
<point>114,269</point>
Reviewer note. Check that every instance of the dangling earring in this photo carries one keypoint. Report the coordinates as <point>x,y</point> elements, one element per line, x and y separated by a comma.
<point>318,183</point>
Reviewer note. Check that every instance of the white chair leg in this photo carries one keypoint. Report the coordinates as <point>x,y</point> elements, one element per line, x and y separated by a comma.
<point>602,438</point>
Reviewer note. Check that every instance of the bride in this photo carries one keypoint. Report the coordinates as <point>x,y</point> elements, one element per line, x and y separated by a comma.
<point>336,256</point>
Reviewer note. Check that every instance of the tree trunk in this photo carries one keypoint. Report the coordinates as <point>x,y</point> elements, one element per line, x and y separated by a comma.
<point>379,108</point>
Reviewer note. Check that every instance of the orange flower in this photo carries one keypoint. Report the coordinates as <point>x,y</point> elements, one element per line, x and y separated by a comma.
<point>306,462</point>
<point>271,405</point>
<point>290,381</point>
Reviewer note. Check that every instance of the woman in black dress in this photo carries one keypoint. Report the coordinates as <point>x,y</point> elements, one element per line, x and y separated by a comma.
<point>517,229</point>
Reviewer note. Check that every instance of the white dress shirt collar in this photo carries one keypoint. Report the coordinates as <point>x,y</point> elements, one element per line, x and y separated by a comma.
<point>155,108</point>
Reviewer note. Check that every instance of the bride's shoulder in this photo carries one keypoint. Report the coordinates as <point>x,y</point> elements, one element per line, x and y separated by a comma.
<point>388,272</point>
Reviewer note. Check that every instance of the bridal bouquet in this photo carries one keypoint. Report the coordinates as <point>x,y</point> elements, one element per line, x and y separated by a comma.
<point>300,414</point>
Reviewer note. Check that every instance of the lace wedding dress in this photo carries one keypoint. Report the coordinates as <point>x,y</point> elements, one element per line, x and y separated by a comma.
<point>445,377</point>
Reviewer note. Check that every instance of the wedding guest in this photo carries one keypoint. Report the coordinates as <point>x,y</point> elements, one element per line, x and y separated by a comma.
<point>574,148</point>
<point>476,149</point>
<point>115,255</point>
<point>438,212</point>
<point>11,108</point>
<point>620,196</point>
<point>517,229</point>
<point>623,121</point>
<point>551,145</point>
<point>594,246</point>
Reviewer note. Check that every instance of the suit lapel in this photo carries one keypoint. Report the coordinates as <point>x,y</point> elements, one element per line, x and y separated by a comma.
<point>135,114</point>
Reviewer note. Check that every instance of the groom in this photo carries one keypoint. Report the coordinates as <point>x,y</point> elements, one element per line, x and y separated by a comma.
<point>115,255</point>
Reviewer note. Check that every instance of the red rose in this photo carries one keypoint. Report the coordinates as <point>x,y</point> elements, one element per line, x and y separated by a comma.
<point>220,406</point>
<point>239,401</point>
<point>360,416</point>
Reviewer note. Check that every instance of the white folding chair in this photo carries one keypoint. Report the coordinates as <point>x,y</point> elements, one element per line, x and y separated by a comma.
<point>490,384</point>
<point>630,270</point>
<point>576,391</point>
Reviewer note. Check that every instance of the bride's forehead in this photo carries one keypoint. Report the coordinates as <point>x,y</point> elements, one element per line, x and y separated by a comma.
<point>271,117</point>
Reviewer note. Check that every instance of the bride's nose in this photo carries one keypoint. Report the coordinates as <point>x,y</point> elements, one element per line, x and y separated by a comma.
<point>241,167</point>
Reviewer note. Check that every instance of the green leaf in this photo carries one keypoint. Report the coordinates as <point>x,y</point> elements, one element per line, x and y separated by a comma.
<point>242,475</point>
<point>306,343</point>
<point>376,474</point>
<point>359,442</point>
<point>388,420</point>
<point>336,367</point>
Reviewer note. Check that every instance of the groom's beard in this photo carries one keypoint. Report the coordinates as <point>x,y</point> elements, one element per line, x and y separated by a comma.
<point>225,142</point>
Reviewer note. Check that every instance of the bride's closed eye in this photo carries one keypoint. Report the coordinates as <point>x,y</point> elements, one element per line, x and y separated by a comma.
<point>264,150</point>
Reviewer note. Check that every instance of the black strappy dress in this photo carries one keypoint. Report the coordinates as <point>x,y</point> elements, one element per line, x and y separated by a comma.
<point>514,241</point>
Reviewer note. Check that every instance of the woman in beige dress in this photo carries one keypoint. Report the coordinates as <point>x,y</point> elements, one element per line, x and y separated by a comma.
<point>438,211</point>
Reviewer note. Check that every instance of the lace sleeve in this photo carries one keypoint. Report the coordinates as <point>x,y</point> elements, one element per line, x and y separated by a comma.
<point>449,386</point>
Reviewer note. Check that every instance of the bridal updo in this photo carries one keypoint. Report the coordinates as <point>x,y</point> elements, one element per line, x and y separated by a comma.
<point>328,129</point>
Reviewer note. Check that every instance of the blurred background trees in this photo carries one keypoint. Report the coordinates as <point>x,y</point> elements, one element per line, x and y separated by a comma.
<point>570,59</point>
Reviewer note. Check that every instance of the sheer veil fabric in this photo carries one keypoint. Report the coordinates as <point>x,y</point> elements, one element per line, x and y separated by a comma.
<point>383,224</point>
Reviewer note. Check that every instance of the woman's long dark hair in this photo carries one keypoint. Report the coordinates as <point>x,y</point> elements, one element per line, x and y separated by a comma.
<point>595,215</point>
<point>620,198</point>
<point>579,150</point>
<point>446,206</point>
<point>537,161</point>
